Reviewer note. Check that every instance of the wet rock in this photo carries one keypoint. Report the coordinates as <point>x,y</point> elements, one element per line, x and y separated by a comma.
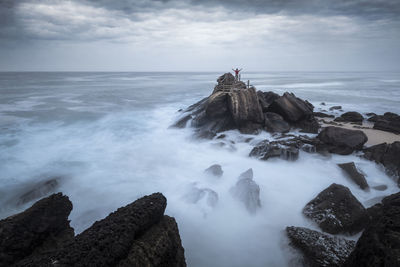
<point>387,155</point>
<point>196,194</point>
<point>335,108</point>
<point>309,125</point>
<point>337,211</point>
<point>323,115</point>
<point>137,233</point>
<point>379,244</point>
<point>320,249</point>
<point>215,170</point>
<point>370,114</point>
<point>341,141</point>
<point>275,123</point>
<point>266,150</point>
<point>182,122</point>
<point>381,187</point>
<point>322,104</point>
<point>352,172</point>
<point>247,191</point>
<point>38,190</point>
<point>266,99</point>
<point>291,108</point>
<point>42,227</point>
<point>389,122</point>
<point>351,116</point>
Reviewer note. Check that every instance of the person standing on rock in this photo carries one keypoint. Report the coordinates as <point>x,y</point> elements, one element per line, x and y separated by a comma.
<point>237,73</point>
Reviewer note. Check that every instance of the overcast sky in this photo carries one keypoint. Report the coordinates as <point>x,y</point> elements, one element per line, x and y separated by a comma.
<point>200,35</point>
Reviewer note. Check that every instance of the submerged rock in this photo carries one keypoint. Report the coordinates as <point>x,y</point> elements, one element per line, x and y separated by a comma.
<point>196,194</point>
<point>352,172</point>
<point>320,249</point>
<point>215,170</point>
<point>247,191</point>
<point>42,227</point>
<point>351,116</point>
<point>135,235</point>
<point>341,141</point>
<point>387,155</point>
<point>335,108</point>
<point>379,244</point>
<point>336,211</point>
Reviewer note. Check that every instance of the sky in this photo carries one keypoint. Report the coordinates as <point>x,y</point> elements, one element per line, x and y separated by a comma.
<point>199,35</point>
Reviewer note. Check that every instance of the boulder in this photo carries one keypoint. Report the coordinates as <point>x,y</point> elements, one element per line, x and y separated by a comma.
<point>351,116</point>
<point>337,211</point>
<point>379,244</point>
<point>266,99</point>
<point>320,249</point>
<point>335,108</point>
<point>322,115</point>
<point>341,141</point>
<point>352,172</point>
<point>247,191</point>
<point>245,110</point>
<point>214,170</point>
<point>291,108</point>
<point>275,123</point>
<point>42,227</point>
<point>309,125</point>
<point>387,155</point>
<point>266,150</point>
<point>133,235</point>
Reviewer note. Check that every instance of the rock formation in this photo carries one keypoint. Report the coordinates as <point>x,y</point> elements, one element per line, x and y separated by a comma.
<point>135,235</point>
<point>352,172</point>
<point>214,170</point>
<point>266,150</point>
<point>336,211</point>
<point>247,191</point>
<point>320,249</point>
<point>389,122</point>
<point>351,116</point>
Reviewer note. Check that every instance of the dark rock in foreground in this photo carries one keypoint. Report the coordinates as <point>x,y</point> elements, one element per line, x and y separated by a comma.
<point>135,235</point>
<point>247,191</point>
<point>44,226</point>
<point>379,245</point>
<point>387,155</point>
<point>215,170</point>
<point>352,172</point>
<point>320,249</point>
<point>336,211</point>
<point>351,116</point>
<point>341,141</point>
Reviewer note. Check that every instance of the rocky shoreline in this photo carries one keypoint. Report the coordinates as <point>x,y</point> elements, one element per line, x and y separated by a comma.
<point>139,234</point>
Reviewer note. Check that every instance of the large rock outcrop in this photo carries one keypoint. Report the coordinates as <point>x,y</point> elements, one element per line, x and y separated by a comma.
<point>387,155</point>
<point>136,235</point>
<point>320,249</point>
<point>379,245</point>
<point>340,140</point>
<point>389,122</point>
<point>337,211</point>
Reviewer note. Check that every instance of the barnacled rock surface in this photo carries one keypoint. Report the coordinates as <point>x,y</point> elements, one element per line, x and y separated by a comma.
<point>247,191</point>
<point>341,141</point>
<point>337,211</point>
<point>319,249</point>
<point>135,235</point>
<point>379,244</point>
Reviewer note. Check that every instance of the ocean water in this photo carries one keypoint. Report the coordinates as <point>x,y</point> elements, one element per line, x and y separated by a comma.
<point>106,136</point>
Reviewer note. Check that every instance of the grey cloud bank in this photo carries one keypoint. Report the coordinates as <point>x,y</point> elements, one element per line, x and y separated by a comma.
<point>199,35</point>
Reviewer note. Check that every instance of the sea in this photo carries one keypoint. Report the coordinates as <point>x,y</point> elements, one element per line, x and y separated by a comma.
<point>106,137</point>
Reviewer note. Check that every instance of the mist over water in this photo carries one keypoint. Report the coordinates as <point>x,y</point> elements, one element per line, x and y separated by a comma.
<point>106,136</point>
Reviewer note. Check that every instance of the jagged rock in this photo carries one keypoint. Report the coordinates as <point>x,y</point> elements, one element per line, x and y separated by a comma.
<point>215,170</point>
<point>134,234</point>
<point>266,98</point>
<point>227,81</point>
<point>247,191</point>
<point>341,141</point>
<point>379,244</point>
<point>387,155</point>
<point>323,115</point>
<point>275,123</point>
<point>352,172</point>
<point>182,122</point>
<point>158,247</point>
<point>196,194</point>
<point>351,116</point>
<point>44,226</point>
<point>291,108</point>
<point>320,249</point>
<point>245,110</point>
<point>336,211</point>
<point>335,108</point>
<point>266,150</point>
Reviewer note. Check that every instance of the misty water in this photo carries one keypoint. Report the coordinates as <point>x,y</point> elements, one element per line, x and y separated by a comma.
<point>106,136</point>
